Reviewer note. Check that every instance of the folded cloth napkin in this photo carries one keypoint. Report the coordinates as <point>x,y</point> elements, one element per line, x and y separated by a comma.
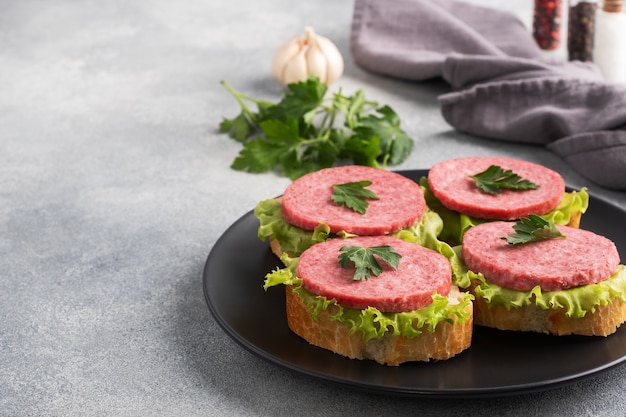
<point>503,87</point>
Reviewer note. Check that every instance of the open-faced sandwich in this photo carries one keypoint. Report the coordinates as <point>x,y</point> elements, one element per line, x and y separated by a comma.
<point>376,297</point>
<point>532,275</point>
<point>346,201</point>
<point>472,190</point>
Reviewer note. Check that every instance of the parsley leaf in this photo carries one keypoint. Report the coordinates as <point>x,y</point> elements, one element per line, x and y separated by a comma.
<point>239,128</point>
<point>323,131</point>
<point>260,155</point>
<point>364,261</point>
<point>300,102</point>
<point>362,150</point>
<point>353,195</point>
<point>532,229</point>
<point>494,179</point>
<point>394,142</point>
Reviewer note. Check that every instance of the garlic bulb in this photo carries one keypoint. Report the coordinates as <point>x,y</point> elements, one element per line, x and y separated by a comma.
<point>302,56</point>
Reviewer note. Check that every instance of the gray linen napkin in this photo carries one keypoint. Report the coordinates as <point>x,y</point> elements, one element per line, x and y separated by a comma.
<point>503,87</point>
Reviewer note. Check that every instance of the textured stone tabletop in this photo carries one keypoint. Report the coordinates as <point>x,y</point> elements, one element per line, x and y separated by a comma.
<point>115,185</point>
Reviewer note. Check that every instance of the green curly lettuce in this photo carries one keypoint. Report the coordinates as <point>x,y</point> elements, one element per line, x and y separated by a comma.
<point>294,240</point>
<point>371,322</point>
<point>578,301</point>
<point>456,224</point>
<point>426,233</point>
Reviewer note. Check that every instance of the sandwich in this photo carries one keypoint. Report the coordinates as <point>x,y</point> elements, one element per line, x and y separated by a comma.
<point>472,190</point>
<point>347,201</point>
<point>375,297</point>
<point>532,275</point>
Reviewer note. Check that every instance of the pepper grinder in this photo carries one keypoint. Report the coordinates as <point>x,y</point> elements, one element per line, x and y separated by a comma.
<point>610,41</point>
<point>581,29</point>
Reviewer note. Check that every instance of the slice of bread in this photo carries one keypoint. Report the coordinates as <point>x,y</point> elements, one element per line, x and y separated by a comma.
<point>574,220</point>
<point>532,318</point>
<point>446,341</point>
<point>276,248</point>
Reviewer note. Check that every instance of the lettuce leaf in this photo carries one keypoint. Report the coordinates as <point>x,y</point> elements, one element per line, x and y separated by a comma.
<point>371,322</point>
<point>578,300</point>
<point>456,224</point>
<point>295,240</point>
<point>426,233</point>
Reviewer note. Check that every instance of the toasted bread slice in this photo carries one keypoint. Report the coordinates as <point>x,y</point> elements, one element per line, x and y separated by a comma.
<point>448,339</point>
<point>531,318</point>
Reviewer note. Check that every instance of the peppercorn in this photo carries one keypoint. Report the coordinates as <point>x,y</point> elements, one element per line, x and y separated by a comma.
<point>581,30</point>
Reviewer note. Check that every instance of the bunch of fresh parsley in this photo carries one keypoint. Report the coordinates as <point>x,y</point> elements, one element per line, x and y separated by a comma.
<point>305,131</point>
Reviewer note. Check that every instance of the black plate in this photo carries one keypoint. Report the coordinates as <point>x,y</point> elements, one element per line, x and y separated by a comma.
<point>497,363</point>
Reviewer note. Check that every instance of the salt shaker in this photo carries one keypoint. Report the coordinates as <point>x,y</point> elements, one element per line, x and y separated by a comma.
<point>610,41</point>
<point>581,29</point>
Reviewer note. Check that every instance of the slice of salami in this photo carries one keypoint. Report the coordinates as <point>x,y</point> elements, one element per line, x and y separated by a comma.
<point>420,273</point>
<point>450,183</point>
<point>307,201</point>
<point>581,258</point>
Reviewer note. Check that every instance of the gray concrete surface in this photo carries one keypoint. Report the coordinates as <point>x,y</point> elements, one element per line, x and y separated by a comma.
<point>114,185</point>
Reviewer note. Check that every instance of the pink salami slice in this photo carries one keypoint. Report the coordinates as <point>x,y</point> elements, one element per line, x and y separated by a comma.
<point>307,201</point>
<point>450,183</point>
<point>420,273</point>
<point>581,258</point>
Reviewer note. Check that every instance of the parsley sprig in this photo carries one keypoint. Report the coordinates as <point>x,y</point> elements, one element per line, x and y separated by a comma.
<point>494,179</point>
<point>532,229</point>
<point>365,262</point>
<point>353,195</point>
<point>305,131</point>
